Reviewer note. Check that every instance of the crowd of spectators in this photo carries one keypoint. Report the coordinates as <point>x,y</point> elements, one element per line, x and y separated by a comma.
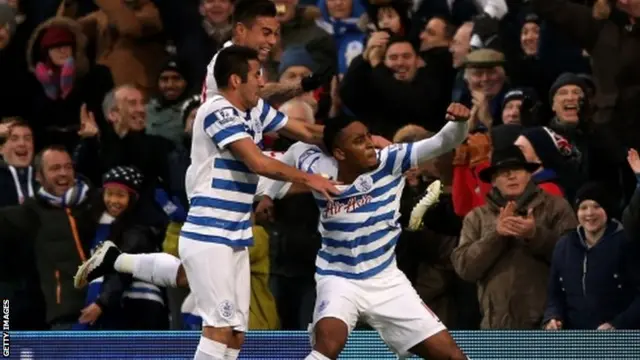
<point>537,218</point>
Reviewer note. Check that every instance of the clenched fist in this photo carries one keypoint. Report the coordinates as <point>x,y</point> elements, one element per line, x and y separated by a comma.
<point>458,112</point>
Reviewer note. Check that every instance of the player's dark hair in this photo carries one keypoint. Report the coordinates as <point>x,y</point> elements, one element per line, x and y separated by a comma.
<point>233,60</point>
<point>332,129</point>
<point>246,11</point>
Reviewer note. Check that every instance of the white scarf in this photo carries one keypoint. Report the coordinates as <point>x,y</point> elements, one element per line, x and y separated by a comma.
<point>16,181</point>
<point>76,195</point>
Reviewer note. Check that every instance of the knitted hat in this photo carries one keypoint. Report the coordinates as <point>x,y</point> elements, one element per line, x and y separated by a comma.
<point>552,149</point>
<point>484,58</point>
<point>516,94</point>
<point>56,36</point>
<point>174,64</point>
<point>531,18</point>
<point>295,56</point>
<point>505,135</point>
<point>566,79</point>
<point>188,105</point>
<point>127,177</point>
<point>598,193</point>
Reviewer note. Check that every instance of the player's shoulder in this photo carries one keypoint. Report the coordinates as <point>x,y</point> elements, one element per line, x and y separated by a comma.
<point>304,152</point>
<point>395,148</point>
<point>300,147</point>
<point>392,151</point>
<point>220,107</point>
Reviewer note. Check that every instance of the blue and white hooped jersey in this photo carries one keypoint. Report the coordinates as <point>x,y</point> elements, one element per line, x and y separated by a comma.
<point>360,227</point>
<point>220,187</point>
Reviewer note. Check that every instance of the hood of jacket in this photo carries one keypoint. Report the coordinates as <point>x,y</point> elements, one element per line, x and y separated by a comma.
<point>80,56</point>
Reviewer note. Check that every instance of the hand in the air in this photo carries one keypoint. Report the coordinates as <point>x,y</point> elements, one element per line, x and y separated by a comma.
<point>457,112</point>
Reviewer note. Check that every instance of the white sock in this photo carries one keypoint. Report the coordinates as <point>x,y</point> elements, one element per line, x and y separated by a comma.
<point>210,350</point>
<point>316,356</point>
<point>231,354</point>
<point>156,268</point>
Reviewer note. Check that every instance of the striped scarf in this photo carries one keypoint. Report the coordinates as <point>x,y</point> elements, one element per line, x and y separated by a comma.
<point>76,195</point>
<point>57,84</point>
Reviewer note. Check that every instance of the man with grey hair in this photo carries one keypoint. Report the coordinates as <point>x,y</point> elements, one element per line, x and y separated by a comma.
<point>124,108</point>
<point>128,144</point>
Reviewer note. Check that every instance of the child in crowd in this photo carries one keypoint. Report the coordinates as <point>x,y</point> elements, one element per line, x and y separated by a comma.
<point>120,301</point>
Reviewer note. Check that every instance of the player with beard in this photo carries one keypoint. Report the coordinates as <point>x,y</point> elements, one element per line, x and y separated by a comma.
<point>255,26</point>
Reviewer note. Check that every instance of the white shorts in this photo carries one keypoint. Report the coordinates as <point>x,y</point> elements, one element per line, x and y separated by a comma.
<point>387,302</point>
<point>219,279</point>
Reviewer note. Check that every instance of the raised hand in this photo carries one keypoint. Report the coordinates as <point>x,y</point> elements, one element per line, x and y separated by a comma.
<point>634,160</point>
<point>458,112</point>
<point>4,128</point>
<point>88,126</point>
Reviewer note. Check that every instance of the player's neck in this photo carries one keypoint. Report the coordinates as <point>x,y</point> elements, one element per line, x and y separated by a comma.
<point>347,174</point>
<point>233,98</point>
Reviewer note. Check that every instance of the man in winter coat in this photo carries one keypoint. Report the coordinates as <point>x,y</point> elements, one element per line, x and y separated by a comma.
<point>506,244</point>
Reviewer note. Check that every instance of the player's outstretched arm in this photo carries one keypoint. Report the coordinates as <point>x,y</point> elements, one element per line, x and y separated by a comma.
<point>303,131</point>
<point>247,151</point>
<point>278,93</point>
<point>448,138</point>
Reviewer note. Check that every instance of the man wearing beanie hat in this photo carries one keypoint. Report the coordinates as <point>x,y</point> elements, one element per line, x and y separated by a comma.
<point>295,64</point>
<point>595,272</point>
<point>530,34</point>
<point>565,97</point>
<point>164,111</point>
<point>511,106</point>
<point>559,160</point>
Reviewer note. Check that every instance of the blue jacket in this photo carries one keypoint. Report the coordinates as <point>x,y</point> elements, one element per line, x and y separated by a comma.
<point>349,39</point>
<point>589,287</point>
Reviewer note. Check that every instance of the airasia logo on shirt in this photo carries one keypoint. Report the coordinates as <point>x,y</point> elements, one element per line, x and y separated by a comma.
<point>346,206</point>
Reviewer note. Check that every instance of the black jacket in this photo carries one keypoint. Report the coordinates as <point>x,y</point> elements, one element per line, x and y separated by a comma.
<point>52,239</point>
<point>386,104</point>
<point>592,286</point>
<point>9,193</point>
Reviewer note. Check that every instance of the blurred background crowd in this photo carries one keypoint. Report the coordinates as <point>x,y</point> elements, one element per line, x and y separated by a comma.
<point>99,96</point>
